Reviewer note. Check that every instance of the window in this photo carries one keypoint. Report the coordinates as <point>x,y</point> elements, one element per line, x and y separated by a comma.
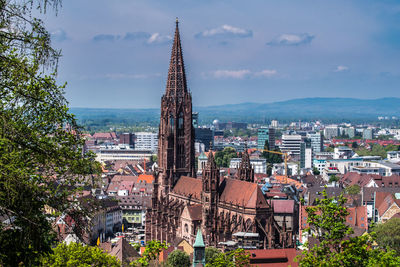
<point>186,228</point>
<point>362,218</point>
<point>350,218</point>
<point>362,225</point>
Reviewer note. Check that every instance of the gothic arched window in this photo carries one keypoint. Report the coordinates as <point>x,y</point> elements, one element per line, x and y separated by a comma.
<point>180,121</point>
<point>171,122</point>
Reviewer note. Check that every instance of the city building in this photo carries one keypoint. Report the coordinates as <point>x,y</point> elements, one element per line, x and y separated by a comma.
<point>274,124</point>
<point>259,165</point>
<point>316,141</point>
<point>291,144</point>
<point>331,131</point>
<point>127,139</point>
<point>123,154</point>
<point>265,134</point>
<point>146,141</point>
<point>367,133</point>
<point>204,136</point>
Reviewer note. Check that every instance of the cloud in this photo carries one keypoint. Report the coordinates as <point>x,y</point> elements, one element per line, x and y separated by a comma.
<point>119,76</point>
<point>157,38</point>
<point>106,37</point>
<point>291,39</point>
<point>133,36</point>
<point>241,74</point>
<point>59,35</point>
<point>147,38</point>
<point>236,74</point>
<point>266,73</point>
<point>225,31</point>
<point>341,68</point>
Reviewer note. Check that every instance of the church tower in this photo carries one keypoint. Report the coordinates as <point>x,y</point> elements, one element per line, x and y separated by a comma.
<point>245,170</point>
<point>176,133</point>
<point>210,198</point>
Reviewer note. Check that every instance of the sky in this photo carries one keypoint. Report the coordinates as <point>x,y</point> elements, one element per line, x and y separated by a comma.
<point>116,53</point>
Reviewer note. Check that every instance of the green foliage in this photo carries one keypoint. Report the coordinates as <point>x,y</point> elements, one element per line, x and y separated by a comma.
<point>153,249</point>
<point>154,158</point>
<point>76,254</point>
<point>353,189</point>
<point>330,149</point>
<point>333,179</point>
<point>178,258</point>
<point>316,171</point>
<point>335,247</point>
<point>223,158</point>
<point>240,132</point>
<point>235,258</point>
<point>354,145</point>
<point>41,154</point>
<point>211,253</point>
<point>271,157</point>
<point>376,150</point>
<point>388,234</point>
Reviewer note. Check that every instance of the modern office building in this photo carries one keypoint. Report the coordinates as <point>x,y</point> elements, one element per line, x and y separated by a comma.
<point>204,136</point>
<point>367,133</point>
<point>266,134</point>
<point>123,154</point>
<point>274,124</point>
<point>331,131</point>
<point>291,144</point>
<point>127,139</point>
<point>146,141</point>
<point>316,142</point>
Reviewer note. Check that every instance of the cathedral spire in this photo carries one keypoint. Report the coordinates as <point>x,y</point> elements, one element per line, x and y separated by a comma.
<point>176,82</point>
<point>246,170</point>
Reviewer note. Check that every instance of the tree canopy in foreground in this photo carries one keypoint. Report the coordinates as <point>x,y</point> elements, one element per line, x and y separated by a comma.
<point>334,244</point>
<point>41,157</point>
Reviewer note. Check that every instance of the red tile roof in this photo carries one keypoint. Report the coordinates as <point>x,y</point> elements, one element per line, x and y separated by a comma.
<point>148,178</point>
<point>188,186</point>
<point>242,193</point>
<point>273,257</point>
<point>195,212</point>
<point>283,205</point>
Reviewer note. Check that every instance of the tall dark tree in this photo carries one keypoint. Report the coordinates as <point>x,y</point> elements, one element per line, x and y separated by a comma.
<point>41,154</point>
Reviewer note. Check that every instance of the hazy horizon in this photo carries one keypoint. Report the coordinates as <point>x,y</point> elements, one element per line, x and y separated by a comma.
<point>116,53</point>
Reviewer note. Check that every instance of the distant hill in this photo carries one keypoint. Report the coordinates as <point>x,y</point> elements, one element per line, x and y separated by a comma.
<point>296,109</point>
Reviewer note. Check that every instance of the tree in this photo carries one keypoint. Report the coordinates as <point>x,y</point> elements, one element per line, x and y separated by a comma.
<point>211,253</point>
<point>316,171</point>
<point>178,258</point>
<point>333,179</point>
<point>353,189</point>
<point>388,234</point>
<point>334,244</point>
<point>76,254</point>
<point>41,149</point>
<point>235,258</point>
<point>223,158</point>
<point>354,145</point>
<point>151,252</point>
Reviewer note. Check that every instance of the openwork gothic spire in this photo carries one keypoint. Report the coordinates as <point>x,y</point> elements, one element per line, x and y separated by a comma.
<point>176,82</point>
<point>245,171</point>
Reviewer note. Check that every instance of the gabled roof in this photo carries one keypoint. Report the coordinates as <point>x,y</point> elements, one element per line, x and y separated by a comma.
<point>124,251</point>
<point>188,186</point>
<point>195,212</point>
<point>283,205</point>
<point>242,193</point>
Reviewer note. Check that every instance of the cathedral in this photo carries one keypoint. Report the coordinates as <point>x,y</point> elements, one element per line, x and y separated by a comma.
<point>181,202</point>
